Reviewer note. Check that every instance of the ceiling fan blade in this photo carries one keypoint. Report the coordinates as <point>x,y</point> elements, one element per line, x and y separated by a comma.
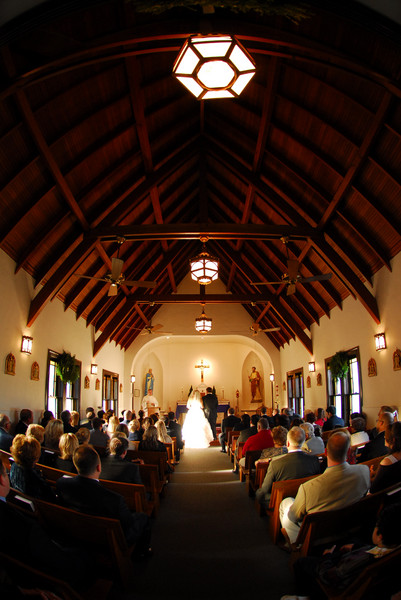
<point>293,268</point>
<point>156,327</point>
<point>112,290</point>
<point>138,283</point>
<point>266,283</point>
<point>116,267</point>
<point>323,277</point>
<point>89,277</point>
<point>291,289</point>
<point>271,329</point>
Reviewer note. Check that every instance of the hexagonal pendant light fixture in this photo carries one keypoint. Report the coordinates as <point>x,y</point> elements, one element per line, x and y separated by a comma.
<point>214,66</point>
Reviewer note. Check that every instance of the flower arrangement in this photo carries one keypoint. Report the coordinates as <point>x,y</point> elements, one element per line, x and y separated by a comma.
<point>339,366</point>
<point>67,369</point>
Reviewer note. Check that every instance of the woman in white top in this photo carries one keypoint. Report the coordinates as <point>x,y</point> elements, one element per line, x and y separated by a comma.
<point>196,431</point>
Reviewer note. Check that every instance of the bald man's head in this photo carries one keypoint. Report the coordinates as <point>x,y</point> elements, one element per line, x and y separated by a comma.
<point>337,446</point>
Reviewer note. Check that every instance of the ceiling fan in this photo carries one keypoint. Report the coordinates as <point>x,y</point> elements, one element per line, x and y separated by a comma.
<point>149,329</point>
<point>292,277</point>
<point>255,328</point>
<point>116,277</point>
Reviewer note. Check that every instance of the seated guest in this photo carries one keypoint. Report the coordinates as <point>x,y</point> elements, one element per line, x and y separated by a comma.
<point>389,471</point>
<point>66,419</point>
<point>83,435</point>
<point>38,432</point>
<point>358,431</point>
<point>85,494</point>
<point>377,446</point>
<point>47,416</point>
<point>134,434</point>
<point>115,467</point>
<point>122,428</point>
<point>263,439</point>
<point>337,569</point>
<point>106,417</point>
<point>127,417</point>
<point>75,420</point>
<point>100,414</point>
<point>89,416</point>
<point>53,432</point>
<point>6,439</point>
<point>174,430</point>
<point>67,445</point>
<point>162,434</point>
<point>150,441</point>
<point>230,421</point>
<point>320,417</point>
<point>245,423</point>
<point>251,430</point>
<point>293,465</point>
<point>385,408</point>
<point>23,475</point>
<point>98,437</point>
<point>141,416</point>
<point>280,445</point>
<point>25,419</point>
<point>312,444</point>
<point>29,543</point>
<point>112,425</point>
<point>332,420</point>
<point>341,484</point>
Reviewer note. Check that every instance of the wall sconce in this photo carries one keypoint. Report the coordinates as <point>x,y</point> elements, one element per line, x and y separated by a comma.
<point>26,344</point>
<point>132,378</point>
<point>214,66</point>
<point>380,341</point>
<point>272,377</point>
<point>312,367</point>
<point>93,369</point>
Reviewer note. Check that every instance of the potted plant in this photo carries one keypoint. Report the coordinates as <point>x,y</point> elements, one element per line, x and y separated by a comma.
<point>67,369</point>
<point>339,366</point>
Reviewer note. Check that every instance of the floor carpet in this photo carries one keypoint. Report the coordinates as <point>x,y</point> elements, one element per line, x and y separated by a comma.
<point>208,539</point>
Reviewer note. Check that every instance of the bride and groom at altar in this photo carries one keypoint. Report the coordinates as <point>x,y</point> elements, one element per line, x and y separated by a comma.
<point>200,423</point>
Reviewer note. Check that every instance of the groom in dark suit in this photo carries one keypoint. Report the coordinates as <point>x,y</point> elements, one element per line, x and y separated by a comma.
<point>210,405</point>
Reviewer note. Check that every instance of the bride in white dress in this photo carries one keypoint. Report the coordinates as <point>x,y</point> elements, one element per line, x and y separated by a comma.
<point>196,430</point>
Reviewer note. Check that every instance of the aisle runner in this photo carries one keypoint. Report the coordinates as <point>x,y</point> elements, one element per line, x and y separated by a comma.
<point>208,540</point>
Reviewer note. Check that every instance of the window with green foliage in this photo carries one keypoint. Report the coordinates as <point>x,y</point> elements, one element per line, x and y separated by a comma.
<point>344,390</point>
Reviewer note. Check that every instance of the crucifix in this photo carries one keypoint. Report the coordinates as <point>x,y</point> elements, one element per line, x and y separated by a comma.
<point>201,366</point>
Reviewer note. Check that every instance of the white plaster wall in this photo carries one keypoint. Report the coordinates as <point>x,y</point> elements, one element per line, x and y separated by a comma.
<point>54,329</point>
<point>230,356</point>
<point>350,327</point>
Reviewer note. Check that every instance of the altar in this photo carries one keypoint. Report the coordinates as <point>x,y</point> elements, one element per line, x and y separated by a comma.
<point>182,409</point>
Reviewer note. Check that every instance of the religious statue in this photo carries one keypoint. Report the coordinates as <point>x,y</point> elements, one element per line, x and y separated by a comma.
<point>254,379</point>
<point>149,381</point>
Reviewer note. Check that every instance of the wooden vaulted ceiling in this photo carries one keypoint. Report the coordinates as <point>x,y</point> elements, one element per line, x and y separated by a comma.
<point>98,140</point>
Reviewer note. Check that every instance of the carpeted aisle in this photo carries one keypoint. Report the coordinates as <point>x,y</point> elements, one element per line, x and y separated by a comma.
<point>208,540</point>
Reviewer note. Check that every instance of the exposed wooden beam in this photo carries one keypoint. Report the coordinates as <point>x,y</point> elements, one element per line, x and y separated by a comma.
<point>196,298</point>
<point>192,231</point>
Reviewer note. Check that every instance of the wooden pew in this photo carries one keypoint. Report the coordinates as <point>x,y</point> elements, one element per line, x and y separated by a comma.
<point>329,526</point>
<point>260,474</point>
<point>134,494</point>
<point>153,485</point>
<point>152,458</point>
<point>239,447</point>
<point>105,536</point>
<point>281,490</point>
<point>245,473</point>
<point>370,581</point>
<point>327,434</point>
<point>27,578</point>
<point>230,438</point>
<point>227,431</point>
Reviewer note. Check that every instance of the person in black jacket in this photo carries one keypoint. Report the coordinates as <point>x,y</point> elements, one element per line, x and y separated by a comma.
<point>230,421</point>
<point>84,493</point>
<point>115,467</point>
<point>210,406</point>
